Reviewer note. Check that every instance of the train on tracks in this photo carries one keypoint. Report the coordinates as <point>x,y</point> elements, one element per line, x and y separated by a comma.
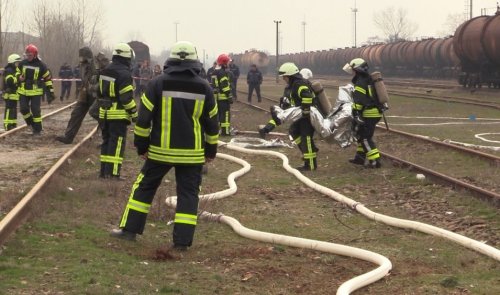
<point>472,56</point>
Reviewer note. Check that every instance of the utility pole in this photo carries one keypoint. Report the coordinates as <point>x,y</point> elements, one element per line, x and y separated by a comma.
<point>470,9</point>
<point>176,23</point>
<point>355,11</point>
<point>203,58</point>
<point>277,22</point>
<point>304,35</point>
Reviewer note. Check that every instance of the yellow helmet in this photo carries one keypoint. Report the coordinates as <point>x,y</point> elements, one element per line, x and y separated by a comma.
<point>123,50</point>
<point>13,58</point>
<point>356,65</point>
<point>183,50</point>
<point>288,69</point>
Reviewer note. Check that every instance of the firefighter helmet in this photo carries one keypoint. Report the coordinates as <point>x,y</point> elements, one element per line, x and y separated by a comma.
<point>183,50</point>
<point>359,65</point>
<point>306,73</point>
<point>288,69</point>
<point>123,50</point>
<point>13,58</point>
<point>223,59</point>
<point>31,49</point>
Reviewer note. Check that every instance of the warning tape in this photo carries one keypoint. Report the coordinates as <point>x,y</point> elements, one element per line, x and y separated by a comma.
<point>75,79</point>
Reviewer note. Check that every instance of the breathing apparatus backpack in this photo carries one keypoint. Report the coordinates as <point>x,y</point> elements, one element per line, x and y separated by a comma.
<point>325,104</point>
<point>382,96</point>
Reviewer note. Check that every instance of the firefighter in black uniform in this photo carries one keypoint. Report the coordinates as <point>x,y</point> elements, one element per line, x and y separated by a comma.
<point>366,113</point>
<point>88,93</point>
<point>301,95</point>
<point>221,83</point>
<point>34,76</point>
<point>116,109</point>
<point>177,128</point>
<point>10,96</point>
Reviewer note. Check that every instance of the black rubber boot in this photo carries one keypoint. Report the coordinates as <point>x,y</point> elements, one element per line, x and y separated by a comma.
<point>123,234</point>
<point>265,130</point>
<point>357,160</point>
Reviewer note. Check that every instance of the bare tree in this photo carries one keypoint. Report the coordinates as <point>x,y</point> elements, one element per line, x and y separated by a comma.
<point>395,24</point>
<point>64,27</point>
<point>7,8</point>
<point>451,24</point>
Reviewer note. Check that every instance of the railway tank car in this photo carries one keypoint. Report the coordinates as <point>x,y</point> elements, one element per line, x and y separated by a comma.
<point>472,56</point>
<point>250,57</point>
<point>477,44</point>
<point>141,51</point>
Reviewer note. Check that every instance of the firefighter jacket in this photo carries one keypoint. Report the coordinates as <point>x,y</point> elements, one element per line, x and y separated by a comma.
<point>364,96</point>
<point>178,122</point>
<point>11,82</point>
<point>221,82</point>
<point>300,93</point>
<point>36,76</point>
<point>116,100</point>
<point>254,77</point>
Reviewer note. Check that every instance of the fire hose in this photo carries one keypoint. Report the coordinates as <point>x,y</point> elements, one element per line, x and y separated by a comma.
<point>357,282</point>
<point>351,285</point>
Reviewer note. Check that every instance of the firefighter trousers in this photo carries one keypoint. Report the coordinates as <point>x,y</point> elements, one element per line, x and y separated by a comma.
<point>224,116</point>
<point>188,181</point>
<point>31,111</point>
<point>10,116</point>
<point>302,133</point>
<point>367,149</point>
<point>114,135</point>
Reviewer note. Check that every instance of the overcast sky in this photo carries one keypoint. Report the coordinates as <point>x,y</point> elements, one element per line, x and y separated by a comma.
<point>236,25</point>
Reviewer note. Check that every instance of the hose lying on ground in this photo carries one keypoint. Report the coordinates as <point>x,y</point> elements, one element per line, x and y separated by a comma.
<point>402,223</point>
<point>346,288</point>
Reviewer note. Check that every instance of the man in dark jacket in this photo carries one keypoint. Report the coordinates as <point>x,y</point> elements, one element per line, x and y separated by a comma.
<point>65,73</point>
<point>254,79</point>
<point>177,128</point>
<point>235,71</point>
<point>90,83</point>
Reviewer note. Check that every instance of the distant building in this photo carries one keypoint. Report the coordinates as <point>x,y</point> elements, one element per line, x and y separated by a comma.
<point>15,42</point>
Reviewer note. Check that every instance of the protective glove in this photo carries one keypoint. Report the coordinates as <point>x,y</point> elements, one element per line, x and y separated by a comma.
<point>50,97</point>
<point>306,112</point>
<point>141,144</point>
<point>284,102</point>
<point>230,100</point>
<point>357,118</point>
<point>359,121</point>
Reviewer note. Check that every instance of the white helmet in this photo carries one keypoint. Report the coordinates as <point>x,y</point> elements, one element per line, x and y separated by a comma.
<point>13,58</point>
<point>183,50</point>
<point>288,69</point>
<point>306,73</point>
<point>123,50</point>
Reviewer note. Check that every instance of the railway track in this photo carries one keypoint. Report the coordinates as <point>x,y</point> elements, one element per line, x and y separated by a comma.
<point>485,187</point>
<point>28,163</point>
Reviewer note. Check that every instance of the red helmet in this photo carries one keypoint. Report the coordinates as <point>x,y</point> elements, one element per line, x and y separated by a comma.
<point>223,59</point>
<point>32,49</point>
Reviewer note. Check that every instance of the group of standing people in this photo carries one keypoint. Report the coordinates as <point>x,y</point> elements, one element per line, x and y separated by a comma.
<point>178,121</point>
<point>26,81</point>
<point>67,76</point>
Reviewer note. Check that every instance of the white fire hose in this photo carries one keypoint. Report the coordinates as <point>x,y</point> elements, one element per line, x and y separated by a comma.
<point>357,282</point>
<point>346,288</point>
